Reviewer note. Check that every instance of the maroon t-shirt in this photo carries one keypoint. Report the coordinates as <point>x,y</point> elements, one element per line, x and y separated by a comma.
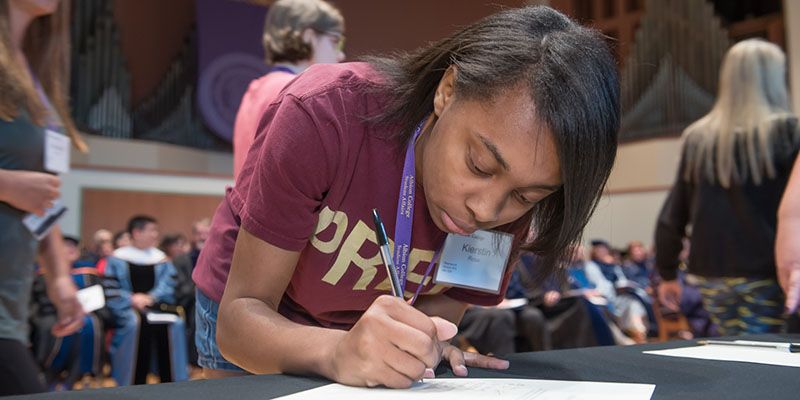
<point>309,183</point>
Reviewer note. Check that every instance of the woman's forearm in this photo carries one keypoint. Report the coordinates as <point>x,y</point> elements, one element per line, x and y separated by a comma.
<point>260,340</point>
<point>5,184</point>
<point>51,255</point>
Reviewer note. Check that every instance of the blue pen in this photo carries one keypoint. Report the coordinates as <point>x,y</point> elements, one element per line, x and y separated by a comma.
<point>788,347</point>
<point>386,255</point>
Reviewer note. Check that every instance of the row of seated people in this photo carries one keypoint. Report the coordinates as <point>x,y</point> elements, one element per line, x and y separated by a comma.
<point>141,329</point>
<point>596,302</point>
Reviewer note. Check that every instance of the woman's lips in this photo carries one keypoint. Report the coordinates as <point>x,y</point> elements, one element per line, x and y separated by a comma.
<point>453,227</point>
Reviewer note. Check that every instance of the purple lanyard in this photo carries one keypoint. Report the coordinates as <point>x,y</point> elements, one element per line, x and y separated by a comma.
<point>280,68</point>
<point>405,218</point>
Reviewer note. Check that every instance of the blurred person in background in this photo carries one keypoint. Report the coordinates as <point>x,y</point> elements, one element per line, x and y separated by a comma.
<point>735,164</point>
<point>297,35</point>
<point>630,302</point>
<point>122,239</point>
<point>638,266</point>
<point>34,60</point>
<point>146,280</point>
<point>173,245</point>
<point>102,245</point>
<point>65,360</point>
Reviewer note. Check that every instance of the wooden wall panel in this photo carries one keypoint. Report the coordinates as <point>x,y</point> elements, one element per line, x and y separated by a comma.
<point>111,209</point>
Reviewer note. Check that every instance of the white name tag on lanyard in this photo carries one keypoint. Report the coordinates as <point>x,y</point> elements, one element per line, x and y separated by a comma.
<point>477,261</point>
<point>56,152</point>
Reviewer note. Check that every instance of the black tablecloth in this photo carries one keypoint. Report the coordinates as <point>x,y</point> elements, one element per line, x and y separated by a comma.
<point>675,378</point>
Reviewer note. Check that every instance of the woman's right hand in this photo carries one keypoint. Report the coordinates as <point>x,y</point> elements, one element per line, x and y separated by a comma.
<point>392,344</point>
<point>669,294</point>
<point>29,191</point>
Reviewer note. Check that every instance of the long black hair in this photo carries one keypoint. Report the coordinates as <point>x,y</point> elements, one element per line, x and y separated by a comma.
<point>572,79</point>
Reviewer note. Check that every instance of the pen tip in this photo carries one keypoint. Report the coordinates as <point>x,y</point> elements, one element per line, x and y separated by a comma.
<point>379,229</point>
<point>375,217</point>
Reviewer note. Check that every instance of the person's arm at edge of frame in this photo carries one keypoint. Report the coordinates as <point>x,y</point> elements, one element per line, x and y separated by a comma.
<point>670,231</point>
<point>787,240</point>
<point>60,287</point>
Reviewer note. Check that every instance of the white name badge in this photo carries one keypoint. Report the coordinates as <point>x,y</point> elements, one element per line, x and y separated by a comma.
<point>477,261</point>
<point>56,152</point>
<point>40,226</point>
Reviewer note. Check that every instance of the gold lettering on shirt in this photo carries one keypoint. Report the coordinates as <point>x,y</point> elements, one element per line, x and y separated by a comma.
<point>348,254</point>
<point>326,218</point>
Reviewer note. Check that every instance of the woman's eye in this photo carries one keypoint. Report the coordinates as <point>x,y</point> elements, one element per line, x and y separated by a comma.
<point>522,199</point>
<point>475,169</point>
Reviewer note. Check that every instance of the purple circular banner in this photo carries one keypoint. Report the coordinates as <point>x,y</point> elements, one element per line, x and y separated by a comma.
<point>222,85</point>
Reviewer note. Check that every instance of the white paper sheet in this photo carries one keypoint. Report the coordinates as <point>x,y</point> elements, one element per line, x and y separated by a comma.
<point>734,353</point>
<point>486,389</point>
<point>161,318</point>
<point>92,298</point>
<point>510,304</point>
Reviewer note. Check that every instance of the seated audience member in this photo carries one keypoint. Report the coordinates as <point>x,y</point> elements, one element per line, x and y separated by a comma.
<point>630,301</point>
<point>68,359</point>
<point>638,265</point>
<point>602,255</point>
<point>173,245</point>
<point>567,319</point>
<point>543,321</point>
<point>508,327</point>
<point>122,239</point>
<point>586,281</point>
<point>102,247</point>
<point>146,287</point>
<point>490,330</point>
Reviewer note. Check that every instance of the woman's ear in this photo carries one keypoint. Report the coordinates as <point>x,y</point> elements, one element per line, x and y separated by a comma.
<point>308,37</point>
<point>445,91</point>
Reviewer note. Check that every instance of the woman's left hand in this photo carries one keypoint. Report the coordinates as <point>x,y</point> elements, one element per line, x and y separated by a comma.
<point>459,360</point>
<point>63,294</point>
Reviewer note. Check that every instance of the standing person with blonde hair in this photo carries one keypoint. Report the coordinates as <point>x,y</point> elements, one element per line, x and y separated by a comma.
<point>297,34</point>
<point>735,165</point>
<point>33,112</point>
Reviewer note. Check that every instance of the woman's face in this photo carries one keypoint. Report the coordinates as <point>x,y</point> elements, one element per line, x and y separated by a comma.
<point>327,47</point>
<point>484,163</point>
